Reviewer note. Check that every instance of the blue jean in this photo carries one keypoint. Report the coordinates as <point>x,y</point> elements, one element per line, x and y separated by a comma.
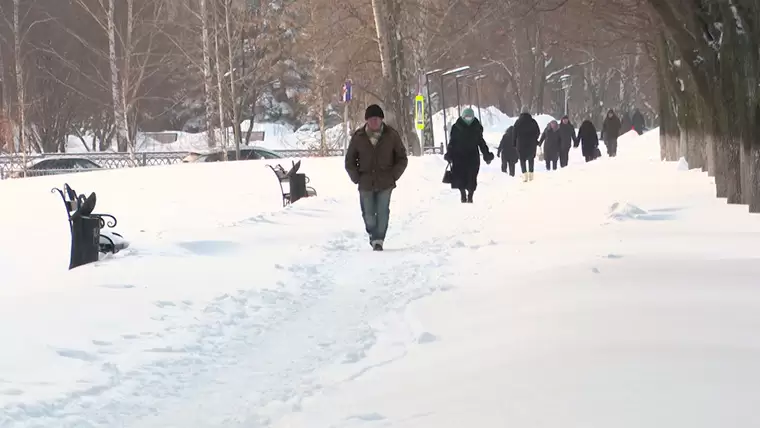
<point>376,212</point>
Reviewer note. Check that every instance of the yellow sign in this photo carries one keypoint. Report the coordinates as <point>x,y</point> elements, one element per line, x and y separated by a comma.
<point>419,112</point>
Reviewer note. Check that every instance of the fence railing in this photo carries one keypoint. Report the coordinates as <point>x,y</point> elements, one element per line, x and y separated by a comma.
<point>12,165</point>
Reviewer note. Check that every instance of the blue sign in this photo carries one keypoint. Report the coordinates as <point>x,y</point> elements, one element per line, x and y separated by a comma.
<point>346,96</point>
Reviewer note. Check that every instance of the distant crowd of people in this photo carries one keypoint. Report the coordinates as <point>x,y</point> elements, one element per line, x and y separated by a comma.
<point>520,143</point>
<point>376,157</point>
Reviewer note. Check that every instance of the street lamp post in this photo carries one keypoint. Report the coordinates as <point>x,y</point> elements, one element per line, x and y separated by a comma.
<point>477,93</point>
<point>565,79</point>
<point>429,104</point>
<point>463,76</point>
<point>443,98</point>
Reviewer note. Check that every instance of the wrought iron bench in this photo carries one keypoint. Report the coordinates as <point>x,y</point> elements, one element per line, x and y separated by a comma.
<point>293,180</point>
<point>86,228</point>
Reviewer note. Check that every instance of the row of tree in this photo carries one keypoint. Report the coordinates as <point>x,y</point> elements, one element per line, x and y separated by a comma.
<point>105,70</point>
<point>708,65</point>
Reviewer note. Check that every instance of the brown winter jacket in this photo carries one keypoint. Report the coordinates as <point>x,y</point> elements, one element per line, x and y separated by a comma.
<point>376,167</point>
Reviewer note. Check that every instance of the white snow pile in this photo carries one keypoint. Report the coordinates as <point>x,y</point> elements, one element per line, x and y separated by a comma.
<point>277,136</point>
<point>625,211</point>
<point>682,165</point>
<point>230,311</point>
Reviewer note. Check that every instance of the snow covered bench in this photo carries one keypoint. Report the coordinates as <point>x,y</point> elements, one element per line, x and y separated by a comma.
<point>88,238</point>
<point>295,182</point>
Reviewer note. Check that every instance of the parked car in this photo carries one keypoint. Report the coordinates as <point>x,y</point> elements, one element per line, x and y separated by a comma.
<point>54,166</point>
<point>246,153</point>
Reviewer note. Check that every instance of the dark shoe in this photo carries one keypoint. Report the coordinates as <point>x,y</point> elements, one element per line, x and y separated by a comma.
<point>469,198</point>
<point>377,247</point>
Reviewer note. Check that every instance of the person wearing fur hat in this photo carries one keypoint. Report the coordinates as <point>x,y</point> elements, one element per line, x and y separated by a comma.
<point>463,153</point>
<point>375,160</point>
<point>567,139</point>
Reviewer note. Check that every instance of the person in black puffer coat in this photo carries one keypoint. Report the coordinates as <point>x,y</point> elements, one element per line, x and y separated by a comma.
<point>551,141</point>
<point>507,151</point>
<point>526,137</point>
<point>588,140</point>
<point>638,122</point>
<point>610,132</point>
<point>463,152</point>
<point>567,140</point>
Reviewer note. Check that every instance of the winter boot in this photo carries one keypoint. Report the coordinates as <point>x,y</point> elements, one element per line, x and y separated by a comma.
<point>463,196</point>
<point>530,176</point>
<point>525,177</point>
<point>469,197</point>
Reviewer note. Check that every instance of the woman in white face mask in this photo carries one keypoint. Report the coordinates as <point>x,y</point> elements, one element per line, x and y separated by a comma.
<point>463,153</point>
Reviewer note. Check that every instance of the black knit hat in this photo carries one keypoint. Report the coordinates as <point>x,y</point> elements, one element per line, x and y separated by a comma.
<point>374,111</point>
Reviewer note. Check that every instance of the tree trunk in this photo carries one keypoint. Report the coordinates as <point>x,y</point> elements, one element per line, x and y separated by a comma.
<point>20,84</point>
<point>233,88</point>
<point>122,133</point>
<point>321,118</point>
<point>126,81</point>
<point>220,85</point>
<point>387,14</point>
<point>207,78</point>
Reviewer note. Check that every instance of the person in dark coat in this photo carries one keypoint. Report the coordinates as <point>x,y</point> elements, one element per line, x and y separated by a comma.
<point>625,123</point>
<point>567,140</point>
<point>526,137</point>
<point>638,122</point>
<point>507,151</point>
<point>550,139</point>
<point>463,152</point>
<point>588,140</point>
<point>375,160</point>
<point>611,132</point>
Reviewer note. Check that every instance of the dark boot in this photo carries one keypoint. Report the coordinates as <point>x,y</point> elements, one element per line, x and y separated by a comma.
<point>463,195</point>
<point>469,196</point>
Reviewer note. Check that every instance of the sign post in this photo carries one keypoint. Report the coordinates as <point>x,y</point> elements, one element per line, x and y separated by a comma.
<point>419,118</point>
<point>346,98</point>
<point>419,112</point>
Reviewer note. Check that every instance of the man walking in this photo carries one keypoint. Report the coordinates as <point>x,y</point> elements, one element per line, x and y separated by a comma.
<point>375,160</point>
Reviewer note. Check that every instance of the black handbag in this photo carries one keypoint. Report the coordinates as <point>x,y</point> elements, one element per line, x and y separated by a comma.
<point>447,175</point>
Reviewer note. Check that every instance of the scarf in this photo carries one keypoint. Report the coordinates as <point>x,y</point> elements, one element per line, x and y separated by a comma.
<point>374,136</point>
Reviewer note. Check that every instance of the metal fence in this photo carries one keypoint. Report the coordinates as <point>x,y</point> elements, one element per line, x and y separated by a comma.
<point>10,164</point>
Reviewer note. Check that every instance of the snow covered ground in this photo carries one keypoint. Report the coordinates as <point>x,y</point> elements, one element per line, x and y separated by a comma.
<point>619,293</point>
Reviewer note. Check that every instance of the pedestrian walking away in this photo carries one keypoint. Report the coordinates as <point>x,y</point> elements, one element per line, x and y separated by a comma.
<point>550,139</point>
<point>463,153</point>
<point>611,132</point>
<point>638,122</point>
<point>526,137</point>
<point>568,139</point>
<point>507,152</point>
<point>588,140</point>
<point>375,160</point>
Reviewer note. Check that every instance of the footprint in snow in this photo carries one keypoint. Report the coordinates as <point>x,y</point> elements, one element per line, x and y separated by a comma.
<point>426,337</point>
<point>368,417</point>
<point>76,354</point>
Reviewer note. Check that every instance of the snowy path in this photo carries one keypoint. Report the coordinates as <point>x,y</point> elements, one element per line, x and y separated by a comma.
<point>270,373</point>
<point>249,356</point>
